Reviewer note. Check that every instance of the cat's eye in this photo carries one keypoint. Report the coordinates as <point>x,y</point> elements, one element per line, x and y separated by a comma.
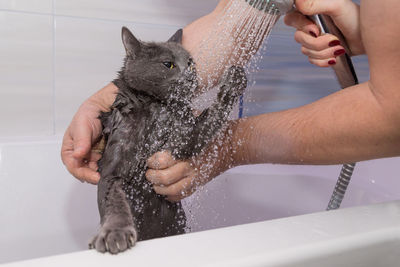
<point>169,65</point>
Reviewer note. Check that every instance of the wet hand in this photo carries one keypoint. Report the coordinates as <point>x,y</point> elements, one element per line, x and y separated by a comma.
<point>171,178</point>
<point>83,133</point>
<point>323,50</point>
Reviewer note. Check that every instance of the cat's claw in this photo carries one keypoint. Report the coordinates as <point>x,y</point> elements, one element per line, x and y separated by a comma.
<point>114,241</point>
<point>132,240</point>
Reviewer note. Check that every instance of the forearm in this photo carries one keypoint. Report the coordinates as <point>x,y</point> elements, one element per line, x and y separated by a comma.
<point>105,97</point>
<point>345,127</point>
<point>200,29</point>
<point>218,40</point>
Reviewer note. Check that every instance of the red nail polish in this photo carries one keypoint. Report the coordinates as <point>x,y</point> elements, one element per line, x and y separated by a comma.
<point>313,34</point>
<point>332,62</point>
<point>334,43</point>
<point>339,52</point>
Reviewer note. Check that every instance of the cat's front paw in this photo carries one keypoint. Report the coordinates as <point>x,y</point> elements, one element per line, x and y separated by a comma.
<point>233,84</point>
<point>114,239</point>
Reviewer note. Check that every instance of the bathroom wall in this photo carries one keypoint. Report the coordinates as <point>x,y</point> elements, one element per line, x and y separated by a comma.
<point>56,53</point>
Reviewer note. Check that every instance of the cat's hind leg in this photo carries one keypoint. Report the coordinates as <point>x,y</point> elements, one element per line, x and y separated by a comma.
<point>117,232</point>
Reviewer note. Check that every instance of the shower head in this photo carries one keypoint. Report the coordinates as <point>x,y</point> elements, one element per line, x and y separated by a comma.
<point>280,7</point>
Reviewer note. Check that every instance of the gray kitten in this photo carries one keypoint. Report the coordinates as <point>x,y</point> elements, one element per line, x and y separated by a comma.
<point>152,112</point>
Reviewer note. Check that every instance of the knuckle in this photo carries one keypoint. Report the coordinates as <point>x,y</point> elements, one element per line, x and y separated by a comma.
<point>163,177</point>
<point>149,175</point>
<point>319,44</point>
<point>162,161</point>
<point>298,37</point>
<point>305,51</point>
<point>173,191</point>
<point>157,190</point>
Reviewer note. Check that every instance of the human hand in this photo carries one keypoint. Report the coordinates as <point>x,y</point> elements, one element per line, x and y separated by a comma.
<point>176,179</point>
<point>322,50</point>
<point>171,178</point>
<point>84,132</point>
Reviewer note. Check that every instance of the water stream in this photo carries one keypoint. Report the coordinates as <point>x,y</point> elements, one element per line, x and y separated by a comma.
<point>237,38</point>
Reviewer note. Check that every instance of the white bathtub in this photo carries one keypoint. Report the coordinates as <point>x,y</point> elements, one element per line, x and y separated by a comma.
<point>44,211</point>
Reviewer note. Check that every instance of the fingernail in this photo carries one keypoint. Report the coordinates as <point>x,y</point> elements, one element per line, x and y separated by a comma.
<point>339,52</point>
<point>331,62</point>
<point>334,43</point>
<point>313,34</point>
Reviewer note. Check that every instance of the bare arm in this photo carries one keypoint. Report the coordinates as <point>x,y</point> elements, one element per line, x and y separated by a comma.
<point>358,123</point>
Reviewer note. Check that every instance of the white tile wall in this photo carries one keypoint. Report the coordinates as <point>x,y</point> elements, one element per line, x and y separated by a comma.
<point>41,6</point>
<point>163,12</point>
<point>26,74</point>
<point>55,53</point>
<point>88,55</point>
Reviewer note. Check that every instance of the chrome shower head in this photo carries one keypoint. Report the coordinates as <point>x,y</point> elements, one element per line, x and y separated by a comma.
<point>280,7</point>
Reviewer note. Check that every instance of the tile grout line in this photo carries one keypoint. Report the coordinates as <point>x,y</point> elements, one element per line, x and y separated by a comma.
<point>116,20</point>
<point>53,13</point>
<point>25,12</point>
<point>54,67</point>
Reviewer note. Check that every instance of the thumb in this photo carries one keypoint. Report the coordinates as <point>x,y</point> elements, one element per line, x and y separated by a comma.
<point>82,139</point>
<point>312,7</point>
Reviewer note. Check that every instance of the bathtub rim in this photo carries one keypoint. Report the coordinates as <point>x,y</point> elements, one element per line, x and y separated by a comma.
<point>332,232</point>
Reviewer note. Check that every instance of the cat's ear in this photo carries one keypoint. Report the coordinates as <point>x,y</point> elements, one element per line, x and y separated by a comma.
<point>132,45</point>
<point>177,37</point>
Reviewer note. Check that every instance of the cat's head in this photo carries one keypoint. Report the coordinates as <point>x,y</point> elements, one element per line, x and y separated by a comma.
<point>158,69</point>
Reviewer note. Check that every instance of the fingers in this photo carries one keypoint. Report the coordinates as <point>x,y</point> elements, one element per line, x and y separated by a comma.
<point>83,168</point>
<point>170,175</point>
<point>161,160</point>
<point>328,53</point>
<point>302,23</point>
<point>171,178</point>
<point>316,43</point>
<point>320,50</point>
<point>82,140</point>
<point>85,171</point>
<point>176,191</point>
<point>86,174</point>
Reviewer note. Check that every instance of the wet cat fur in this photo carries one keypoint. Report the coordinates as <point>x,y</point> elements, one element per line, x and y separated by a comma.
<point>152,112</point>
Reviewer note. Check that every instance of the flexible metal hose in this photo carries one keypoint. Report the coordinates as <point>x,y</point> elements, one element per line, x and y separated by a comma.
<point>341,186</point>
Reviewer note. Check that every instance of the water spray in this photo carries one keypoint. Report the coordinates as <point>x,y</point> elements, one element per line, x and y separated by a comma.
<point>344,71</point>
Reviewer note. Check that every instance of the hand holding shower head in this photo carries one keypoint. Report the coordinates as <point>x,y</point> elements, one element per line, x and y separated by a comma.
<point>344,68</point>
